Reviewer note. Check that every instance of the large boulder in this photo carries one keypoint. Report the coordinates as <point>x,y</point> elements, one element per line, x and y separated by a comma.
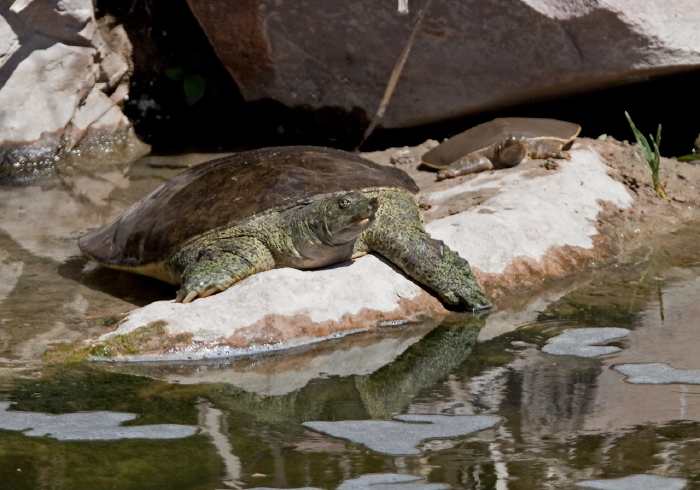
<point>521,228</point>
<point>467,56</point>
<point>63,76</point>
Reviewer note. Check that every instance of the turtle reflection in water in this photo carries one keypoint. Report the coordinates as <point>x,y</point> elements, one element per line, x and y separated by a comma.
<point>303,207</point>
<point>503,142</point>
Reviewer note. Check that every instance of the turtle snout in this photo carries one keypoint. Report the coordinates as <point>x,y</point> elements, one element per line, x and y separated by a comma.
<point>365,214</point>
<point>372,206</point>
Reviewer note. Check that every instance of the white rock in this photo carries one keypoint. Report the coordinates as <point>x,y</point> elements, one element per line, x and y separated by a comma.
<point>56,67</point>
<point>530,216</point>
<point>534,216</point>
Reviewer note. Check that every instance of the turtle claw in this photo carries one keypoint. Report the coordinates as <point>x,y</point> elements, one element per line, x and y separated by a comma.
<point>184,296</point>
<point>474,304</point>
<point>470,297</point>
<point>211,290</point>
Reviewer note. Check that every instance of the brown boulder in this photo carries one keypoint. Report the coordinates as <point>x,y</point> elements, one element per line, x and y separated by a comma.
<point>467,56</point>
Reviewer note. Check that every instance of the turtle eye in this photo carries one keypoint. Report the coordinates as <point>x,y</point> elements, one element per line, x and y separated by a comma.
<point>344,203</point>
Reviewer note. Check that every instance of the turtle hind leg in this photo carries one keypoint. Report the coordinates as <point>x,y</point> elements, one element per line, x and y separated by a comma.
<point>210,267</point>
<point>398,235</point>
<point>469,164</point>
<point>547,149</point>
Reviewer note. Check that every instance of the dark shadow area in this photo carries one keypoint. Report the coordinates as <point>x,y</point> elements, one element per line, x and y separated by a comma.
<point>133,288</point>
<point>667,101</point>
<point>183,100</point>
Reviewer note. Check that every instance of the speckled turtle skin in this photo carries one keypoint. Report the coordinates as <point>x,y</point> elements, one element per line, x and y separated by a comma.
<point>501,143</point>
<point>303,207</point>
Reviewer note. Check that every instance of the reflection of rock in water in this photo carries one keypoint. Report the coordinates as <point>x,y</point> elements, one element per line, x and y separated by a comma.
<point>549,394</point>
<point>212,421</point>
<point>390,389</point>
<point>555,394</point>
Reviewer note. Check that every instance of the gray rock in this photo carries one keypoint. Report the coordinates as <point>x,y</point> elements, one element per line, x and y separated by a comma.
<point>467,56</point>
<point>658,373</point>
<point>636,482</point>
<point>381,481</point>
<point>582,342</point>
<point>87,426</point>
<point>390,481</point>
<point>405,432</point>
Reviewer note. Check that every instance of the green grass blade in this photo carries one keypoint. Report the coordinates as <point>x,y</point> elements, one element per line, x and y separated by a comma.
<point>642,143</point>
<point>652,155</point>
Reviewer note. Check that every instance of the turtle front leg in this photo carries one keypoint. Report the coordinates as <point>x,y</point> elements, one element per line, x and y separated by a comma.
<point>398,235</point>
<point>435,265</point>
<point>209,267</point>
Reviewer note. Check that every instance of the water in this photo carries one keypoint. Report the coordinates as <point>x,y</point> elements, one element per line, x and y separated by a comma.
<point>517,410</point>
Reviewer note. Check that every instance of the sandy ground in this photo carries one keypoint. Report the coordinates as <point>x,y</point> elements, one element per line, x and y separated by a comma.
<point>649,219</point>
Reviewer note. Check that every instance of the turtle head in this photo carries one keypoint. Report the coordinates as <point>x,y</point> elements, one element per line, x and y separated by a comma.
<point>324,231</point>
<point>344,217</point>
<point>513,151</point>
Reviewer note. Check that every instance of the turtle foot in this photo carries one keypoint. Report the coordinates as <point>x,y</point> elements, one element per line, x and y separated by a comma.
<point>209,269</point>
<point>458,287</point>
<point>211,274</point>
<point>187,295</point>
<point>451,276</point>
<point>473,298</point>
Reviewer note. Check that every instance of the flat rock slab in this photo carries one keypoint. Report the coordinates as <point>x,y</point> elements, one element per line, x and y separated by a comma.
<point>403,434</point>
<point>390,481</point>
<point>87,426</point>
<point>531,223</point>
<point>637,482</point>
<point>583,342</point>
<point>381,481</point>
<point>658,373</point>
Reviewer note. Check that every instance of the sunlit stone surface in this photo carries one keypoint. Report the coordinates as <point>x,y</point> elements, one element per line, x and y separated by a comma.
<point>636,482</point>
<point>535,224</point>
<point>582,342</point>
<point>87,426</point>
<point>405,432</point>
<point>658,373</point>
<point>529,216</point>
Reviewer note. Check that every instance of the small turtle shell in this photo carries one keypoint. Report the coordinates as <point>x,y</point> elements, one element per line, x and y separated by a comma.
<point>221,192</point>
<point>496,131</point>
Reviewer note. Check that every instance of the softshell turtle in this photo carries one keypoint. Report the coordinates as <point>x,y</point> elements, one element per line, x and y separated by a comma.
<point>303,207</point>
<point>503,142</point>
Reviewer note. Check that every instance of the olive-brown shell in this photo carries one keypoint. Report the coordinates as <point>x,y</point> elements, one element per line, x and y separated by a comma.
<point>222,192</point>
<point>497,131</point>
